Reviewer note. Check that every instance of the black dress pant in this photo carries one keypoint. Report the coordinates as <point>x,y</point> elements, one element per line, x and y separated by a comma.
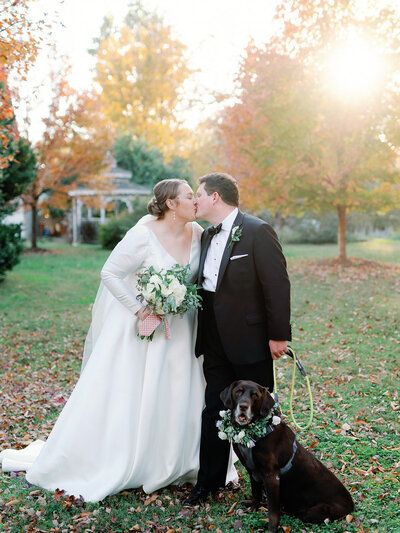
<point>219,373</point>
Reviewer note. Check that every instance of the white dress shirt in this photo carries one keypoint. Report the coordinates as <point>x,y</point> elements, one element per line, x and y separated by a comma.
<point>215,252</point>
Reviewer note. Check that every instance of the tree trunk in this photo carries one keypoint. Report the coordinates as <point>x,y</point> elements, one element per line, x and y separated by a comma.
<point>342,233</point>
<point>34,226</point>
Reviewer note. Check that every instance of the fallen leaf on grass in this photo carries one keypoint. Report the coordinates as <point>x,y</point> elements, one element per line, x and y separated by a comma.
<point>230,512</point>
<point>81,516</point>
<point>11,502</point>
<point>151,499</point>
<point>58,494</point>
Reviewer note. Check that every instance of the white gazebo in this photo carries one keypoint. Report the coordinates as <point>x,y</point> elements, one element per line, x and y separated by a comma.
<point>122,190</point>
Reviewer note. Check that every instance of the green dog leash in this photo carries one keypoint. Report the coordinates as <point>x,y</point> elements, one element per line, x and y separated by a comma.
<point>296,363</point>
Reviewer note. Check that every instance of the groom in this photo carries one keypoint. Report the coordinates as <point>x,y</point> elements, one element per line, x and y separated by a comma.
<point>245,320</point>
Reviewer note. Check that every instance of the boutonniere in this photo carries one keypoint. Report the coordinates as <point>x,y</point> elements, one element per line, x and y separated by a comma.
<point>236,234</point>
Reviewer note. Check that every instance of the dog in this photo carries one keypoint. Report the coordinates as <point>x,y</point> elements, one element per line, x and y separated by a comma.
<point>290,475</point>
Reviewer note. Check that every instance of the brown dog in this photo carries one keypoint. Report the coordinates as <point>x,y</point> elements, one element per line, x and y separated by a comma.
<point>290,475</point>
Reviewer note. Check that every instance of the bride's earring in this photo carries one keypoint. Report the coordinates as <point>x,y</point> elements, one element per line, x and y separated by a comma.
<point>173,216</point>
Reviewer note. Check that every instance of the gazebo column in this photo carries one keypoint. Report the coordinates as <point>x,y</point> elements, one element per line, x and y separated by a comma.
<point>103,212</point>
<point>74,222</point>
<point>129,204</point>
<point>78,218</point>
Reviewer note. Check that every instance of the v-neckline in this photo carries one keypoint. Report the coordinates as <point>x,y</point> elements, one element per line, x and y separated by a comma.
<point>166,251</point>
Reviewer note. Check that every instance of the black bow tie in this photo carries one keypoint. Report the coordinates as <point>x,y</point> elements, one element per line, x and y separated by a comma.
<point>215,229</point>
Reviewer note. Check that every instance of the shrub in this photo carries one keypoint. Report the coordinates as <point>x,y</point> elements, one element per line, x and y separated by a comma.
<point>89,232</point>
<point>10,247</point>
<point>309,230</point>
<point>111,233</point>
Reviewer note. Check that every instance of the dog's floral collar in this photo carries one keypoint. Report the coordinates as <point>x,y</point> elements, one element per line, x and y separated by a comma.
<point>249,435</point>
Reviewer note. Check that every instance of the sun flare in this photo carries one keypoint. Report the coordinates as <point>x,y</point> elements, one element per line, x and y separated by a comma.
<point>354,69</point>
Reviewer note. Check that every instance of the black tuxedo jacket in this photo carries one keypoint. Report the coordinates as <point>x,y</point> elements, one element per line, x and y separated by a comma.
<point>252,298</point>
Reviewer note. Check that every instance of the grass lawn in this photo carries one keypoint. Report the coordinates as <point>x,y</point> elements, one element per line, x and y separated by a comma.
<point>346,332</point>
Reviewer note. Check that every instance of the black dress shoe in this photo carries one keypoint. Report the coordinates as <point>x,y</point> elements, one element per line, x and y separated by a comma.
<point>197,496</point>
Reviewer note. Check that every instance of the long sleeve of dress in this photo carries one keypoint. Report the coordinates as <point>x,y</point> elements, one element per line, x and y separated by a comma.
<point>126,258</point>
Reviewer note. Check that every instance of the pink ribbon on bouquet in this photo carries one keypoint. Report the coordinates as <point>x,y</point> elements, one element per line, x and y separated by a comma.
<point>151,323</point>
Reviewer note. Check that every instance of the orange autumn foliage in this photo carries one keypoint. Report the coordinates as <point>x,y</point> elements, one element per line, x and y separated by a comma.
<point>19,40</point>
<point>293,142</point>
<point>72,152</point>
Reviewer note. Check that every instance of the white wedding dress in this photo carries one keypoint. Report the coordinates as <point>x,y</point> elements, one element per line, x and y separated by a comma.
<point>134,416</point>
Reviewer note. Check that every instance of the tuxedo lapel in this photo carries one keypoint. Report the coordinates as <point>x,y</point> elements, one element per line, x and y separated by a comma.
<point>228,249</point>
<point>204,247</point>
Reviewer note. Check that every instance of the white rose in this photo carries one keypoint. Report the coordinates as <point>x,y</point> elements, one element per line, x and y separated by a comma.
<point>174,284</point>
<point>239,436</point>
<point>148,295</point>
<point>179,295</point>
<point>178,291</point>
<point>150,287</point>
<point>155,280</point>
<point>276,420</point>
<point>222,435</point>
<point>222,413</point>
<point>165,291</point>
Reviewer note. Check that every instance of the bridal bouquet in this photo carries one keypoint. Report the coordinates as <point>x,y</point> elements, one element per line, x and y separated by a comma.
<point>166,292</point>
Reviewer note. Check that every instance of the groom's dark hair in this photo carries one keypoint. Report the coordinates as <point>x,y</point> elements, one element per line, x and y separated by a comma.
<point>223,184</point>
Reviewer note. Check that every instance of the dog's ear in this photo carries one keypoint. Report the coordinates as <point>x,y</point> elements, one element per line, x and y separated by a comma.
<point>267,402</point>
<point>226,396</point>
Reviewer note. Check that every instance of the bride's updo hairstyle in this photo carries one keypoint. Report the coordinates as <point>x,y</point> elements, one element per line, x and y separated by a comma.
<point>164,190</point>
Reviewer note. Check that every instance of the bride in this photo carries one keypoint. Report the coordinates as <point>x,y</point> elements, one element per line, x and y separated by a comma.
<point>134,416</point>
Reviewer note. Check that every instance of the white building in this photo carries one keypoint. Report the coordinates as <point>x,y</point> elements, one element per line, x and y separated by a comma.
<point>122,191</point>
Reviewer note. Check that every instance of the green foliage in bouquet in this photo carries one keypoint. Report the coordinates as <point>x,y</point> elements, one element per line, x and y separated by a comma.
<point>168,291</point>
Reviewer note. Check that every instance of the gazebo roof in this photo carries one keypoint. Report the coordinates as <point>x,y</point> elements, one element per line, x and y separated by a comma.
<point>115,172</point>
<point>121,184</point>
<point>128,189</point>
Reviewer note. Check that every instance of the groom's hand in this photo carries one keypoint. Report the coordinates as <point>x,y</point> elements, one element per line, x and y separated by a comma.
<point>277,348</point>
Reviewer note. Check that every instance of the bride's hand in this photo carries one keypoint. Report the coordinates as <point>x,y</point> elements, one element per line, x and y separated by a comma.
<point>143,313</point>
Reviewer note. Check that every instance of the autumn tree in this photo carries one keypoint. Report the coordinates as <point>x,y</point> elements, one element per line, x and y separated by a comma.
<point>19,40</point>
<point>305,133</point>
<point>72,152</point>
<point>141,68</point>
